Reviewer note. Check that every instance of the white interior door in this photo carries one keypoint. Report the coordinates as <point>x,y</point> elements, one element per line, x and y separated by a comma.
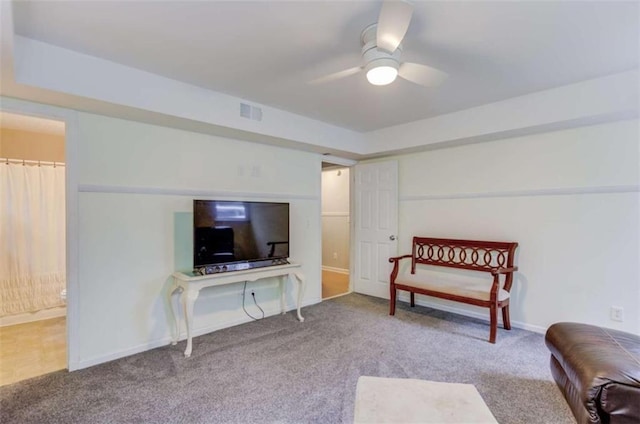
<point>376,226</point>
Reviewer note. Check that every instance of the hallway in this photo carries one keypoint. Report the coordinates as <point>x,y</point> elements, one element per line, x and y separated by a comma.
<point>32,349</point>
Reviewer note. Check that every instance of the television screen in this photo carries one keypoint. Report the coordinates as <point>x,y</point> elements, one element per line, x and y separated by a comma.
<point>227,232</point>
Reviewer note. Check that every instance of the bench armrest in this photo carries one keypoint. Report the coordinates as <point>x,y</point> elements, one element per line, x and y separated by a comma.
<point>398,258</point>
<point>396,262</point>
<point>497,271</point>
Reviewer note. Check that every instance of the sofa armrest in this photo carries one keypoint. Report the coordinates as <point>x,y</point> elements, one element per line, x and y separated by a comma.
<point>602,365</point>
<point>621,403</point>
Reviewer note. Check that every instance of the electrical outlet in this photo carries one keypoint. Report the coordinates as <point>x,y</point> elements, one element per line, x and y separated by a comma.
<point>335,255</point>
<point>617,313</point>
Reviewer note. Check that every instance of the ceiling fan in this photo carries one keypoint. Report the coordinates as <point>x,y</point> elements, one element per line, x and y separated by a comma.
<point>382,51</point>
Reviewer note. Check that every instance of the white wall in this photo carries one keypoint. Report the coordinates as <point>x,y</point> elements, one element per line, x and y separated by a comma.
<point>136,184</point>
<point>90,77</point>
<point>335,219</point>
<point>587,102</point>
<point>570,198</point>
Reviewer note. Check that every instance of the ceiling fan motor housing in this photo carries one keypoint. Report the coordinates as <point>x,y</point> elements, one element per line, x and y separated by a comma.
<point>373,57</point>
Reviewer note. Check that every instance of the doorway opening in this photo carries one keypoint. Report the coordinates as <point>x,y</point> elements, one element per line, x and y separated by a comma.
<point>336,230</point>
<point>33,277</point>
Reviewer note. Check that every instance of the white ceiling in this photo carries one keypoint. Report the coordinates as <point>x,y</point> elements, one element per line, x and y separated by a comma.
<point>267,51</point>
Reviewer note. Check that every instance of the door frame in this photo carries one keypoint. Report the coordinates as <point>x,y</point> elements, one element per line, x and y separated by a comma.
<point>346,163</point>
<point>71,140</point>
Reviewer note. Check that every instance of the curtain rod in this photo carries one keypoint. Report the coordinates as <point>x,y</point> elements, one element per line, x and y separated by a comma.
<point>25,162</point>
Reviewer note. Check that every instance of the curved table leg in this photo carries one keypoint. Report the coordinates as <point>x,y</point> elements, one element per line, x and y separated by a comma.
<point>283,308</point>
<point>188,298</point>
<point>172,311</point>
<point>300,279</point>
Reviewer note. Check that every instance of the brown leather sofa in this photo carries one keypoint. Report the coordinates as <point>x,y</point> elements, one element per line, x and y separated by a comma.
<point>597,370</point>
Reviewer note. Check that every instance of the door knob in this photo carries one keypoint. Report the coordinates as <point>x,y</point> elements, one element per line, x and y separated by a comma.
<point>392,238</point>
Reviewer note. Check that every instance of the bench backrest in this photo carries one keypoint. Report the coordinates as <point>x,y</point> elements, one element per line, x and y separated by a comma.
<point>473,255</point>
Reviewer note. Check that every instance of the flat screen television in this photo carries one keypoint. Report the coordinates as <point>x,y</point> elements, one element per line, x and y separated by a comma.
<point>231,235</point>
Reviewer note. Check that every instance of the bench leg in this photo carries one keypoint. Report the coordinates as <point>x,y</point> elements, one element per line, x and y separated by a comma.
<point>494,323</point>
<point>413,299</point>
<point>506,321</point>
<point>392,300</point>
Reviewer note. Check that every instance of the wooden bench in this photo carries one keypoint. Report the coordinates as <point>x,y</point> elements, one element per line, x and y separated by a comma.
<point>492,257</point>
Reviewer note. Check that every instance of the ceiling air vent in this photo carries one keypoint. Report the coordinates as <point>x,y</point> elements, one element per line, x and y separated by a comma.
<point>250,112</point>
<point>256,113</point>
<point>245,110</point>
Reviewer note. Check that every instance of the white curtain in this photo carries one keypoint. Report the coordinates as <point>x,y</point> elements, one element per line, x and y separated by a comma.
<point>32,238</point>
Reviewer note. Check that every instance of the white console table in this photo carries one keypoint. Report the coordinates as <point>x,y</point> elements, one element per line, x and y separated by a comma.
<point>191,285</point>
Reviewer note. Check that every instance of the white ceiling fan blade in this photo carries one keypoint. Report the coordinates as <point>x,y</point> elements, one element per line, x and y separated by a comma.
<point>422,74</point>
<point>393,23</point>
<point>336,75</point>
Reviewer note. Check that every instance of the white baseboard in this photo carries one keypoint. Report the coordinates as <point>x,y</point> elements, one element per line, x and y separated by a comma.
<point>96,360</point>
<point>337,295</point>
<point>26,317</point>
<point>336,270</point>
<point>460,311</point>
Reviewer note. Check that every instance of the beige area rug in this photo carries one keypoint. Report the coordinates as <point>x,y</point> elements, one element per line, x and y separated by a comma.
<point>404,400</point>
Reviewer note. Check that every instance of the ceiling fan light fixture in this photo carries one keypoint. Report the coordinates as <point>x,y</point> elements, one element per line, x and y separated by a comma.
<point>382,71</point>
<point>382,75</point>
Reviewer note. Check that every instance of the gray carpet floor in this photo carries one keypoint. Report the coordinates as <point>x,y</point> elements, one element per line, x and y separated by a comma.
<point>280,370</point>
